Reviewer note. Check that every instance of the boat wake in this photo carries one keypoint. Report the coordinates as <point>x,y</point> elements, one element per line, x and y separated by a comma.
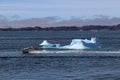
<point>71,51</point>
<point>58,53</point>
<point>76,53</point>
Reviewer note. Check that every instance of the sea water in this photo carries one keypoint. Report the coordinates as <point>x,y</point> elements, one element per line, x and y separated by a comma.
<point>14,65</point>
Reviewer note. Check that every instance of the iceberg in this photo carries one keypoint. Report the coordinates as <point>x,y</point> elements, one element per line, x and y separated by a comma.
<point>46,45</point>
<point>76,44</point>
<point>93,43</point>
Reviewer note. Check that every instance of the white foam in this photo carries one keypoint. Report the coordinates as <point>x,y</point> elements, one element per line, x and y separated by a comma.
<point>77,53</point>
<point>71,51</point>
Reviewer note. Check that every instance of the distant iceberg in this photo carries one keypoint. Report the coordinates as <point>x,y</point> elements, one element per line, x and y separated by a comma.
<point>93,43</point>
<point>46,45</point>
<point>76,44</point>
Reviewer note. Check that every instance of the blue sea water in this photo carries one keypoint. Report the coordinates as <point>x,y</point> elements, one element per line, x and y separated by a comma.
<point>14,65</point>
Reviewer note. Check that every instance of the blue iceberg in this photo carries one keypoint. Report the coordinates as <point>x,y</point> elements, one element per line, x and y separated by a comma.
<point>78,44</point>
<point>46,45</point>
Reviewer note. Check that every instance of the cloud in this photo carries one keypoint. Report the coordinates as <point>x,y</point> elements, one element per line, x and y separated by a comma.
<point>2,17</point>
<point>56,21</point>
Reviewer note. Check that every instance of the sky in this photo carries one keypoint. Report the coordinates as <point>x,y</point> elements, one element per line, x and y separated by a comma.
<point>52,11</point>
<point>61,8</point>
